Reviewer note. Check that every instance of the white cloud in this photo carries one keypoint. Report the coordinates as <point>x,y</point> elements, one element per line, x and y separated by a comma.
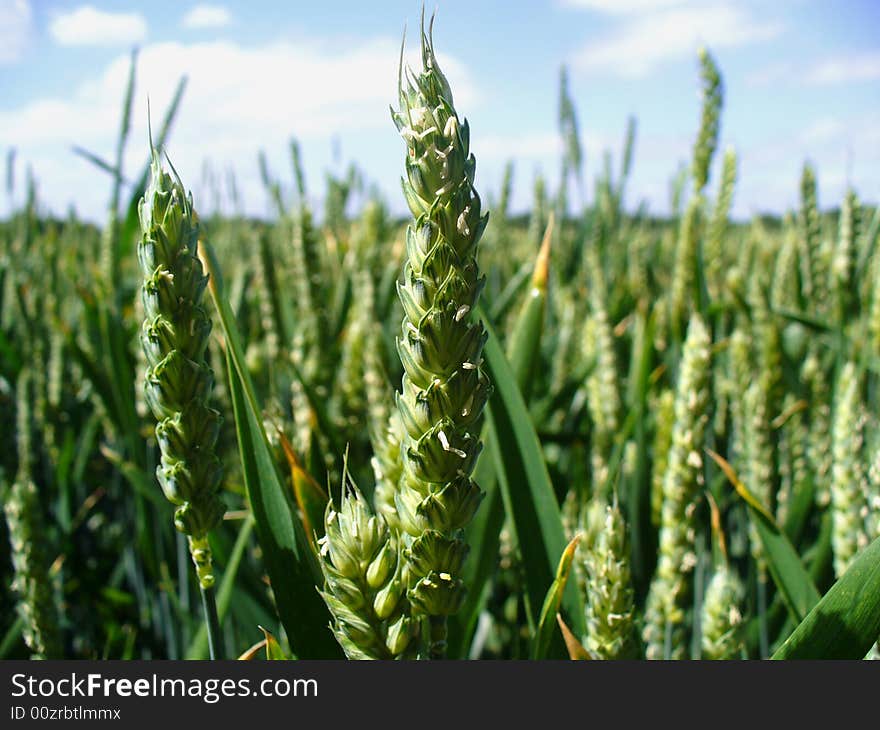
<point>207,16</point>
<point>532,147</point>
<point>621,7</point>
<point>771,74</point>
<point>644,41</point>
<point>844,150</point>
<point>845,69</point>
<point>540,151</point>
<point>15,29</point>
<point>88,26</point>
<point>837,70</point>
<point>539,146</point>
<point>824,130</point>
<point>238,99</point>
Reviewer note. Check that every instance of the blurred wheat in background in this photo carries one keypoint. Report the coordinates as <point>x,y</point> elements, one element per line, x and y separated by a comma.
<point>597,434</point>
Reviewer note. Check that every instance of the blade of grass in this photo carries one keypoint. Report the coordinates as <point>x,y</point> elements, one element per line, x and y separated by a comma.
<point>12,638</point>
<point>576,650</point>
<point>96,160</point>
<point>638,496</point>
<point>273,648</point>
<point>525,484</point>
<point>550,610</point>
<point>310,497</point>
<point>250,653</point>
<point>846,622</point>
<point>289,559</point>
<point>290,562</point>
<point>786,568</point>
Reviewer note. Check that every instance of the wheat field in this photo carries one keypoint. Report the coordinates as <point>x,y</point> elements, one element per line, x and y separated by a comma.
<point>582,432</point>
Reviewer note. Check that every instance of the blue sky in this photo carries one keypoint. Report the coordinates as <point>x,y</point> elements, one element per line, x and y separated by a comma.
<point>802,82</point>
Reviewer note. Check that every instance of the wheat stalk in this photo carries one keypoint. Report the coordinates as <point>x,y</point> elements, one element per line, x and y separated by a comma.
<point>848,488</point>
<point>444,388</point>
<point>670,590</point>
<point>28,539</point>
<point>178,380</point>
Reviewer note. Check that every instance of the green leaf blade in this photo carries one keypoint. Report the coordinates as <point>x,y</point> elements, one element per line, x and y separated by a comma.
<point>846,622</point>
<point>525,485</point>
<point>291,564</point>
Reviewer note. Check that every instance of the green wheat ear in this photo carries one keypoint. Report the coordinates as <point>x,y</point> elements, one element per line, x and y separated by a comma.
<point>848,485</point>
<point>710,120</point>
<point>178,380</point>
<point>444,388</point>
<point>722,619</point>
<point>364,583</point>
<point>669,596</point>
<point>27,539</point>
<point>609,604</point>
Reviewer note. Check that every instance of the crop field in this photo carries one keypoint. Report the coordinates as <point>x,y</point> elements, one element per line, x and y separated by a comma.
<point>580,432</point>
